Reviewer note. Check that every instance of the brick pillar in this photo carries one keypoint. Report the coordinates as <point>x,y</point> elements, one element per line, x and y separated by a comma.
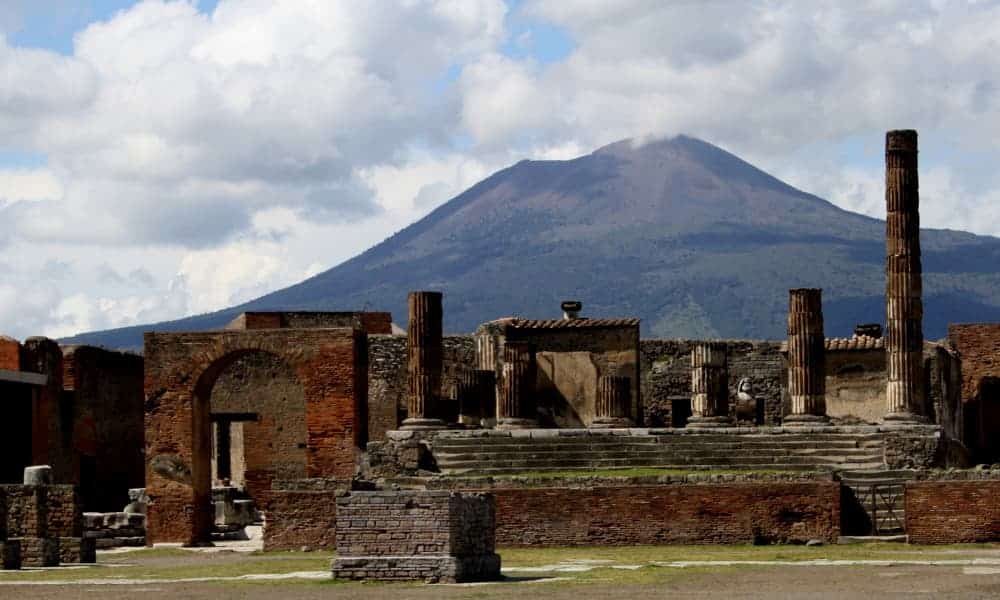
<point>424,342</point>
<point>42,355</point>
<point>614,395</point>
<point>709,385</point>
<point>806,358</point>
<point>476,397</point>
<point>516,406</point>
<point>904,340</point>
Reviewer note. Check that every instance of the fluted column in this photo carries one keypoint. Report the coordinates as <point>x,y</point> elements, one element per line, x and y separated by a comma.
<point>424,345</point>
<point>709,385</point>
<point>904,340</point>
<point>516,405</point>
<point>614,397</point>
<point>806,358</point>
<point>476,394</point>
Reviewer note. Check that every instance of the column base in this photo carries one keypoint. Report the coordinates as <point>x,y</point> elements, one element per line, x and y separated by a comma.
<point>421,423</point>
<point>709,422</point>
<point>806,421</point>
<point>516,423</point>
<point>904,418</point>
<point>610,423</point>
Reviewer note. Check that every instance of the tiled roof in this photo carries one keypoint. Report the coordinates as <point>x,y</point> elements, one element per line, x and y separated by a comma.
<point>857,342</point>
<point>517,323</point>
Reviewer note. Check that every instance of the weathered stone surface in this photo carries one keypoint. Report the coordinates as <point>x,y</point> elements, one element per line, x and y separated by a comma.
<point>425,351</point>
<point>614,396</point>
<point>38,475</point>
<point>516,405</point>
<point>330,365</point>
<point>806,357</point>
<point>414,535</point>
<point>953,512</point>
<point>904,305</point>
<point>76,550</point>
<point>709,385</point>
<point>39,551</point>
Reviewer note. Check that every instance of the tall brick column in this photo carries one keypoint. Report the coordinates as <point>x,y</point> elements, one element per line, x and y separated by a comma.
<point>614,395</point>
<point>476,393</point>
<point>709,385</point>
<point>516,405</point>
<point>806,358</point>
<point>904,340</point>
<point>424,343</point>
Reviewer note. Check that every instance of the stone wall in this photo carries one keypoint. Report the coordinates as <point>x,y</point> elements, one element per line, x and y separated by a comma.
<point>105,389</point>
<point>273,444</point>
<point>665,372</point>
<point>406,535</point>
<point>953,512</point>
<point>303,514</point>
<point>47,521</point>
<point>387,384</point>
<point>725,513</point>
<point>978,348</point>
<point>181,368</point>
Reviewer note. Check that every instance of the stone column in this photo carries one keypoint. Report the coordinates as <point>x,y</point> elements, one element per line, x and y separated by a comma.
<point>709,385</point>
<point>424,342</point>
<point>476,394</point>
<point>904,340</point>
<point>614,395</point>
<point>516,405</point>
<point>806,358</point>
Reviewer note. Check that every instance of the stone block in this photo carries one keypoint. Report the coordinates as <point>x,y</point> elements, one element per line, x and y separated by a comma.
<point>10,555</point>
<point>93,520</point>
<point>38,475</point>
<point>39,552</point>
<point>115,520</point>
<point>77,550</point>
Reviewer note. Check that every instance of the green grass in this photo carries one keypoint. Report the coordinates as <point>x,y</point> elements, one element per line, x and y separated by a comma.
<point>535,557</point>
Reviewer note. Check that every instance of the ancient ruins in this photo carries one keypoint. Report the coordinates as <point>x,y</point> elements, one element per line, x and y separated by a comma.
<point>415,456</point>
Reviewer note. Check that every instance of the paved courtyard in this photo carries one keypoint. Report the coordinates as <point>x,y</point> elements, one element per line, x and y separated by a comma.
<point>864,572</point>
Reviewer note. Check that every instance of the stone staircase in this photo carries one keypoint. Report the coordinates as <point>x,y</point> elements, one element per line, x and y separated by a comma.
<point>874,501</point>
<point>499,455</point>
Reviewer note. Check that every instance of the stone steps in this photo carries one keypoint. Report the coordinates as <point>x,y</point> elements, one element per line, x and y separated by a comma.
<point>552,451</point>
<point>890,487</point>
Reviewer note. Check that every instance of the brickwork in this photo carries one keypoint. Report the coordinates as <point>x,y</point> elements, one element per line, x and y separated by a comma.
<point>10,354</point>
<point>387,379</point>
<point>181,369</point>
<point>370,322</point>
<point>665,376</point>
<point>46,521</point>
<point>105,389</point>
<point>407,535</point>
<point>737,513</point>
<point>952,512</point>
<point>272,445</point>
<point>303,514</point>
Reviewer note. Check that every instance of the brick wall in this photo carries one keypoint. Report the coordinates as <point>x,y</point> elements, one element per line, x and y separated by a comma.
<point>952,512</point>
<point>738,513</point>
<point>978,344</point>
<point>387,384</point>
<point>665,372</point>
<point>434,535</point>
<point>273,446</point>
<point>180,371</point>
<point>303,514</point>
<point>10,354</point>
<point>104,389</point>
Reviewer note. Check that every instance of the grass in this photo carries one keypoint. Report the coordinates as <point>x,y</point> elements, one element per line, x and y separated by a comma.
<point>165,564</point>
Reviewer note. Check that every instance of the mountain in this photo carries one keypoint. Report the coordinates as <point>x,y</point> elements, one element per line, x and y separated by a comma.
<point>692,239</point>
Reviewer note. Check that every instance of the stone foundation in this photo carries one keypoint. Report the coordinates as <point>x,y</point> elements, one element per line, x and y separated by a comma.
<point>435,536</point>
<point>114,530</point>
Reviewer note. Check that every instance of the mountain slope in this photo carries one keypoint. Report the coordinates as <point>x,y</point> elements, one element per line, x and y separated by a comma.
<point>690,238</point>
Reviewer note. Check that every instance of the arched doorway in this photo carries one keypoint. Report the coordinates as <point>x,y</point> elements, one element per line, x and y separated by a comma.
<point>183,370</point>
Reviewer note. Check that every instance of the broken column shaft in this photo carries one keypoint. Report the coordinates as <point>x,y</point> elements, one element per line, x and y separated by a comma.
<point>709,385</point>
<point>424,344</point>
<point>516,405</point>
<point>806,358</point>
<point>614,395</point>
<point>904,340</point>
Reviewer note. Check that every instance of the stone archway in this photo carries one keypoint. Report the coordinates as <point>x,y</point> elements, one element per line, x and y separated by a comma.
<point>181,368</point>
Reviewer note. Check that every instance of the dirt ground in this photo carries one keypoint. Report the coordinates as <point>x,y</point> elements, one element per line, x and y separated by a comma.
<point>970,572</point>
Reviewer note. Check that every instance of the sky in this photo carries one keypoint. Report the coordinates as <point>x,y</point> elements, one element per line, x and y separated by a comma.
<point>166,158</point>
